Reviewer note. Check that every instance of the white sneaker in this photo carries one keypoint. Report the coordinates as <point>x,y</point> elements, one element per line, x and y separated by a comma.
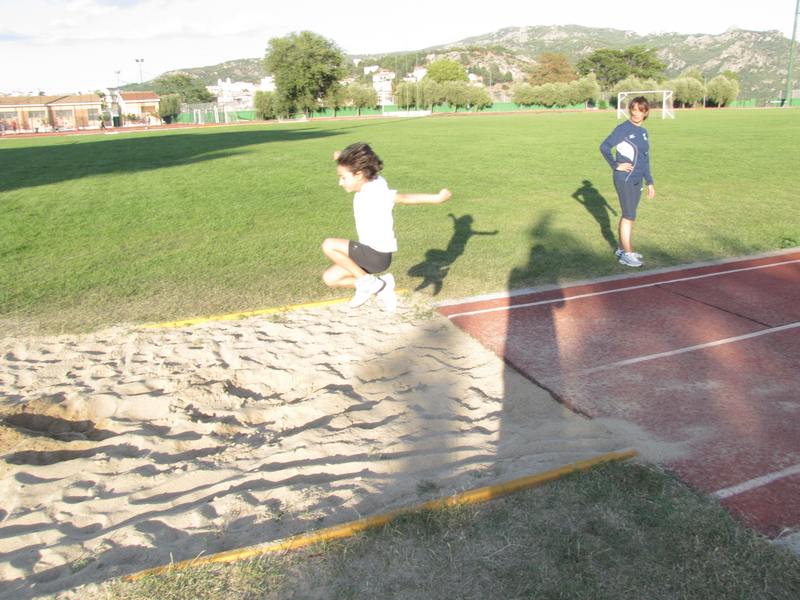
<point>630,259</point>
<point>620,252</point>
<point>387,294</point>
<point>366,287</point>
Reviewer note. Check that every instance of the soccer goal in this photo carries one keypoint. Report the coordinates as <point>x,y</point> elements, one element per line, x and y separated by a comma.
<point>624,98</point>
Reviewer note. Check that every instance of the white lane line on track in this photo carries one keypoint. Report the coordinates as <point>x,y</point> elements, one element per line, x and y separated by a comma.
<point>616,291</point>
<point>639,359</point>
<point>757,482</point>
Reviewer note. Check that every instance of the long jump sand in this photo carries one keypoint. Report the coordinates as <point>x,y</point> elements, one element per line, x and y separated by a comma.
<point>130,448</point>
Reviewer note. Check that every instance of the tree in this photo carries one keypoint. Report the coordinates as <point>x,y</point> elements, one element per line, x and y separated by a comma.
<point>264,105</point>
<point>552,68</point>
<point>478,97</point>
<point>456,93</point>
<point>612,66</point>
<point>362,97</point>
<point>523,94</point>
<point>305,65</point>
<point>584,89</point>
<point>405,94</point>
<point>722,91</point>
<point>637,84</point>
<point>169,107</point>
<point>687,90</point>
<point>446,70</point>
<point>553,94</point>
<point>430,92</point>
<point>335,98</point>
<point>188,88</point>
<point>695,74</point>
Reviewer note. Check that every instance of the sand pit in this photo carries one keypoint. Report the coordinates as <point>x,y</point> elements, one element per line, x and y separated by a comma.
<point>128,448</point>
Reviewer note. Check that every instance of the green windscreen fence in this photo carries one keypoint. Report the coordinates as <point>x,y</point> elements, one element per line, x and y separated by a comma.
<point>243,116</point>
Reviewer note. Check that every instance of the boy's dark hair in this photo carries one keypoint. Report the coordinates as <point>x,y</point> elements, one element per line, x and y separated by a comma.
<point>360,157</point>
<point>644,106</point>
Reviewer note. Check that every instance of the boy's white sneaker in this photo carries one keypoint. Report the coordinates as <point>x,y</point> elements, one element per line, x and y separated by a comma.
<point>366,287</point>
<point>387,294</point>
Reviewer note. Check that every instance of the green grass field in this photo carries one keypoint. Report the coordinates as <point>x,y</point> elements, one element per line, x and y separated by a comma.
<point>151,226</point>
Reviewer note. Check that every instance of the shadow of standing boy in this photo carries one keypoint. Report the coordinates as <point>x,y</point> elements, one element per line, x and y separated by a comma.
<point>598,207</point>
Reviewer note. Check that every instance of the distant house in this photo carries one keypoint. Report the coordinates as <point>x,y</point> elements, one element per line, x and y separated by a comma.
<point>76,111</point>
<point>41,113</point>
<point>140,107</point>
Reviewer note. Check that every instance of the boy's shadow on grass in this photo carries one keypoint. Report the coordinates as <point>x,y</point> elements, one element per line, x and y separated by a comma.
<point>598,207</point>
<point>437,263</point>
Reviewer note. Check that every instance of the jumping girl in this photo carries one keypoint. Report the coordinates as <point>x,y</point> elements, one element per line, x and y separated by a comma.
<point>356,263</point>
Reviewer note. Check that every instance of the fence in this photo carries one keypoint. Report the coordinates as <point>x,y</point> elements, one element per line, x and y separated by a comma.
<point>212,113</point>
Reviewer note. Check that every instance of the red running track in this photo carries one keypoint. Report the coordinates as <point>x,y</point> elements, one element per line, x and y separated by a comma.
<point>706,357</point>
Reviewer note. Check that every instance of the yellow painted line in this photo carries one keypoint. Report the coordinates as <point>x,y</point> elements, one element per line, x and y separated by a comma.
<point>353,527</point>
<point>250,313</point>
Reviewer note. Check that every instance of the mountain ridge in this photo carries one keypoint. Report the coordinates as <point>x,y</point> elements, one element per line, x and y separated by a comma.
<point>759,57</point>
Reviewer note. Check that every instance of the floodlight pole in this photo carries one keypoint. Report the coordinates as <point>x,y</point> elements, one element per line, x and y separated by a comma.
<point>787,100</point>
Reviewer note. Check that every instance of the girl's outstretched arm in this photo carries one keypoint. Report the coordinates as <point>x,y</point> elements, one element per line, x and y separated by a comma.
<point>442,196</point>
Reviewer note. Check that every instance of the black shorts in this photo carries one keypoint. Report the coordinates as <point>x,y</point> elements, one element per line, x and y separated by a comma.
<point>369,259</point>
<point>629,195</point>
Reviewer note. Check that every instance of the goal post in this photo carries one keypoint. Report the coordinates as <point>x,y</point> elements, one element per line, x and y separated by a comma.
<point>623,98</point>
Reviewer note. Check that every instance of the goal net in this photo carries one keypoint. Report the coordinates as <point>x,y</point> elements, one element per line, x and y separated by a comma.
<point>654,98</point>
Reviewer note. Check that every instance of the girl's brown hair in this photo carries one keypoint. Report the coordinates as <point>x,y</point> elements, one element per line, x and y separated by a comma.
<point>360,157</point>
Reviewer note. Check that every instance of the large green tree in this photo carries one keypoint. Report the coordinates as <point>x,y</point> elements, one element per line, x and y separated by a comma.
<point>611,66</point>
<point>722,90</point>
<point>335,97</point>
<point>360,97</point>
<point>264,104</point>
<point>430,93</point>
<point>188,88</point>
<point>557,94</point>
<point>479,97</point>
<point>405,94</point>
<point>305,65</point>
<point>585,89</point>
<point>446,70</point>
<point>461,93</point>
<point>687,90</point>
<point>456,93</point>
<point>169,107</point>
<point>552,68</point>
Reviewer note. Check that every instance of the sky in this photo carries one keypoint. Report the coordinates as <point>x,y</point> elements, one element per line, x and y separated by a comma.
<point>68,46</point>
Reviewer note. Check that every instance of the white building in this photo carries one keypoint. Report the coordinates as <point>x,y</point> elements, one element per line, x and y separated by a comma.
<point>382,82</point>
<point>267,84</point>
<point>239,92</point>
<point>417,74</point>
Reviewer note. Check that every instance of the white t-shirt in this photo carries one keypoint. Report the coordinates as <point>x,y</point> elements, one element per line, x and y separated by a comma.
<point>372,207</point>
